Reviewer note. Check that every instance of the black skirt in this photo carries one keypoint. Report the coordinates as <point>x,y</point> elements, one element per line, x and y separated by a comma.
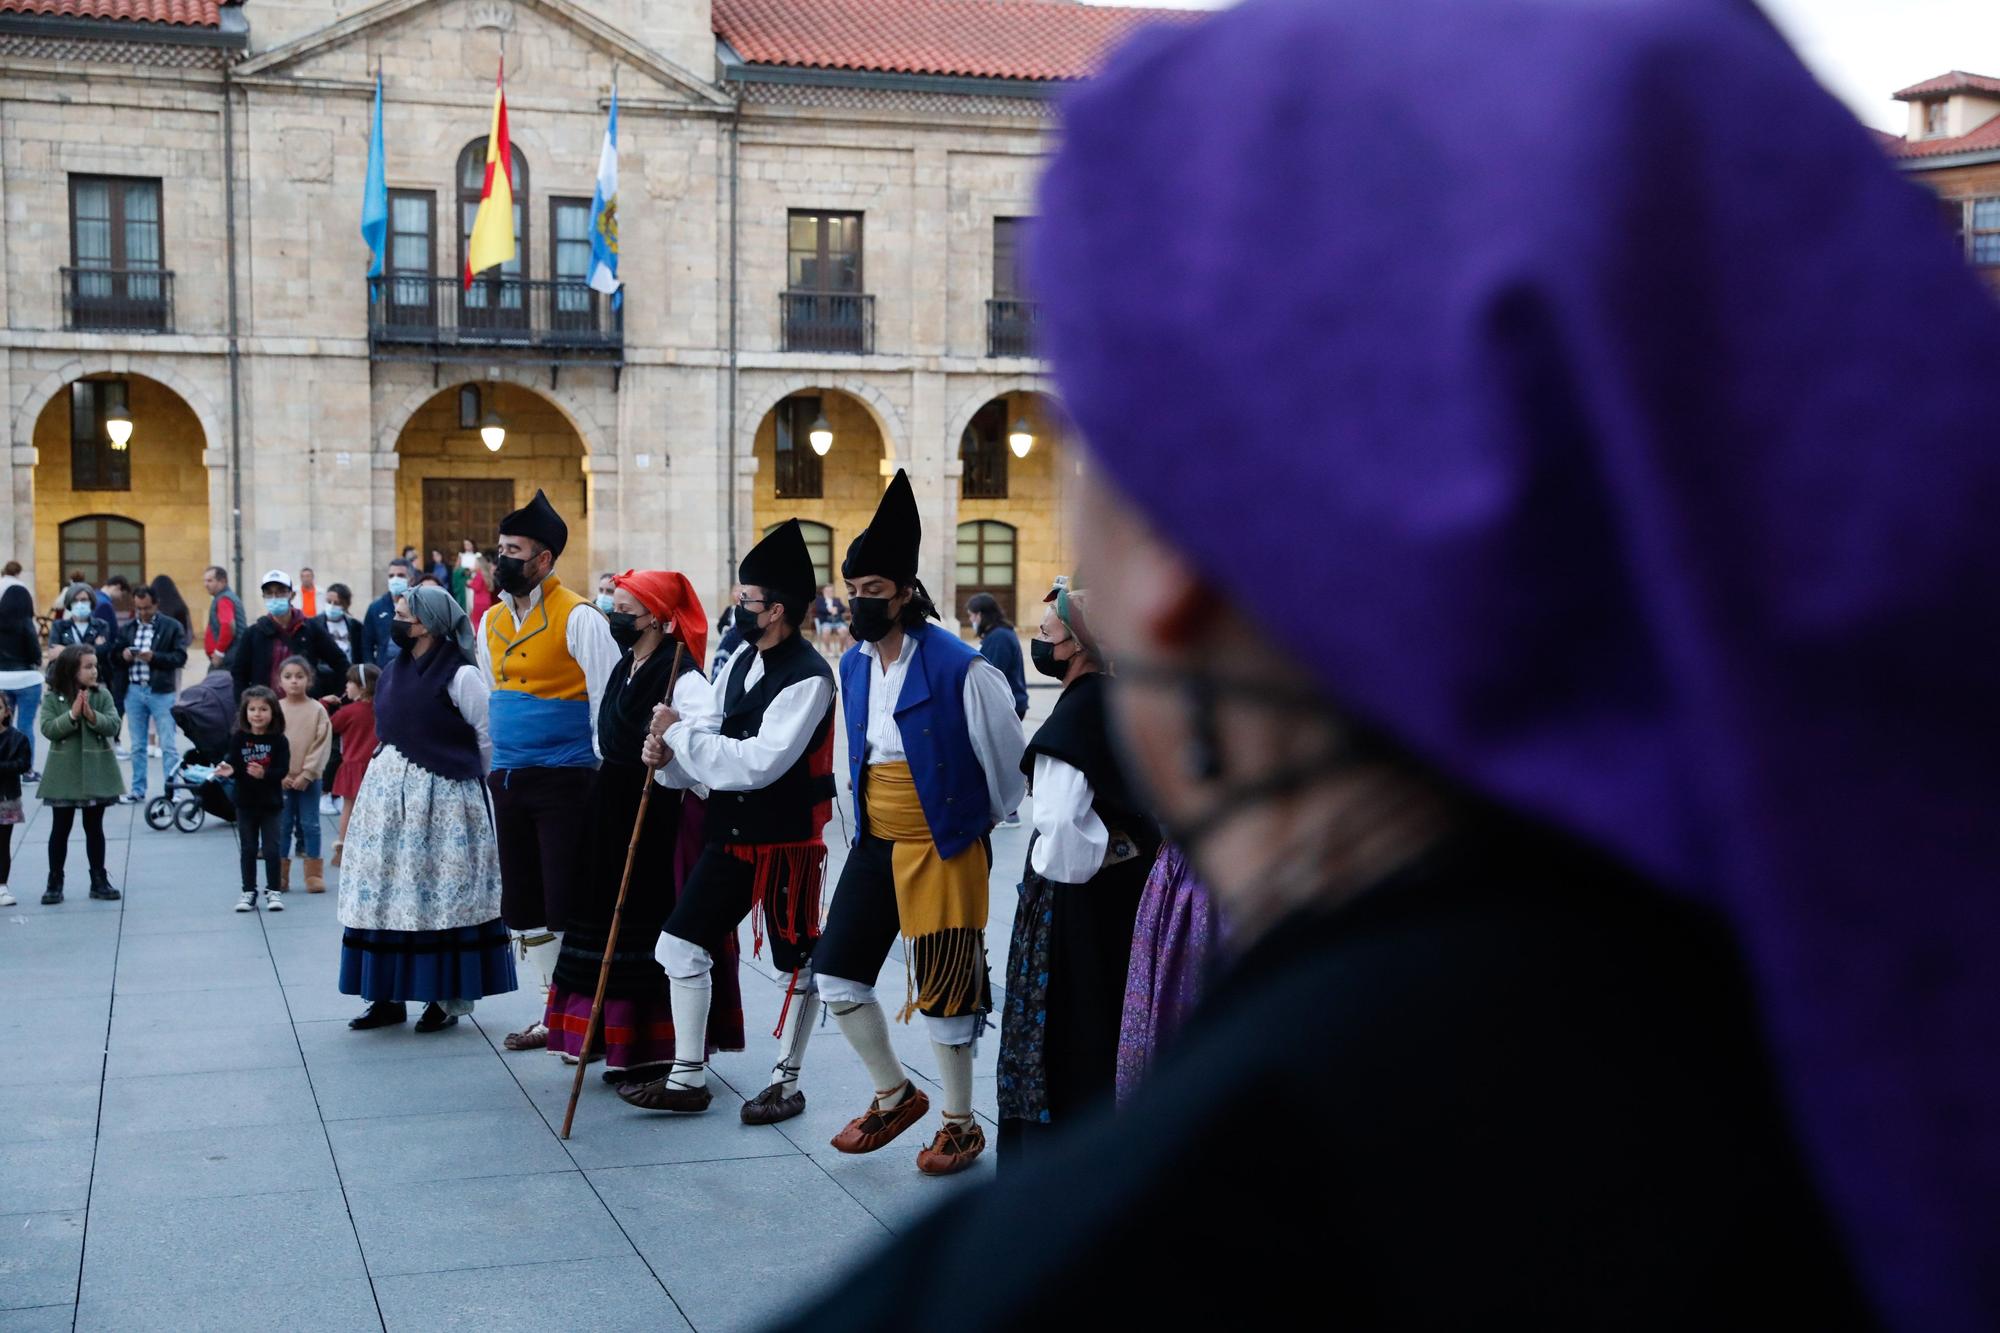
<point>614,806</point>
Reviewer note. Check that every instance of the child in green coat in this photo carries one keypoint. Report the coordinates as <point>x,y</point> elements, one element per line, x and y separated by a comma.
<point>82,773</point>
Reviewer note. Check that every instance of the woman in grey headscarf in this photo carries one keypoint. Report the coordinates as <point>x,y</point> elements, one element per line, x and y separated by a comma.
<point>420,886</point>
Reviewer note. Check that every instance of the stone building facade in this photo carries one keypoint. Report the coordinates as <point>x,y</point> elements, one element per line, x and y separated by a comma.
<point>1953,147</point>
<point>818,222</point>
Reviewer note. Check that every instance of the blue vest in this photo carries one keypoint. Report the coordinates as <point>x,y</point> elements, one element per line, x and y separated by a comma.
<point>931,717</point>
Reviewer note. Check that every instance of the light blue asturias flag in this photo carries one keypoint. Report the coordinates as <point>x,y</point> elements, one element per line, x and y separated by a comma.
<point>375,197</point>
<point>604,214</point>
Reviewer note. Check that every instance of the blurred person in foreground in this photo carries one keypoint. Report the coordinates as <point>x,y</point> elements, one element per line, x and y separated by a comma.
<point>1588,733</point>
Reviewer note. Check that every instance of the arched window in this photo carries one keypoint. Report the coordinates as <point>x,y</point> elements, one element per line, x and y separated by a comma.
<point>986,564</point>
<point>500,289</point>
<point>983,448</point>
<point>819,542</point>
<point>102,545</point>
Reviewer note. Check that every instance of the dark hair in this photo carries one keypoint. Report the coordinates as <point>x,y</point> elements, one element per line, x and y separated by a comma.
<point>170,599</point>
<point>17,607</point>
<point>62,671</point>
<point>396,560</point>
<point>119,581</point>
<point>269,696</point>
<point>986,604</point>
<point>219,572</point>
<point>76,576</point>
<point>346,593</point>
<point>365,675</point>
<point>11,568</point>
<point>919,608</point>
<point>304,664</point>
<point>145,590</point>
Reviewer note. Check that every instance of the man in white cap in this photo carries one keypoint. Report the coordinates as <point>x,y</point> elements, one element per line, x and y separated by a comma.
<point>282,631</point>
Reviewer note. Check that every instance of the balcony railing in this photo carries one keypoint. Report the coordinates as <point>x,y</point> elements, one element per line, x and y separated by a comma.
<point>118,300</point>
<point>495,313</point>
<point>1010,328</point>
<point>827,321</point>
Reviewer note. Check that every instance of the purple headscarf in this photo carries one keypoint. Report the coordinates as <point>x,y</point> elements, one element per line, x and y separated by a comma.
<point>1628,434</point>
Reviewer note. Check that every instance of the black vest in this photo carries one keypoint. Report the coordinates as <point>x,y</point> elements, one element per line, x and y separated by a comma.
<point>789,809</point>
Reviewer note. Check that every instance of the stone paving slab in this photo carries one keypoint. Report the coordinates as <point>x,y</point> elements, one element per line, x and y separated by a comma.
<point>196,1140</point>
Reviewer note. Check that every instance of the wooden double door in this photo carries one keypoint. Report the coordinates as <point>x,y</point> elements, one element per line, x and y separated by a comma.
<point>459,507</point>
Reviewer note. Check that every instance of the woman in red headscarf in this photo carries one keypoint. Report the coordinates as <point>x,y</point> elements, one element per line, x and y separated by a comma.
<point>654,613</point>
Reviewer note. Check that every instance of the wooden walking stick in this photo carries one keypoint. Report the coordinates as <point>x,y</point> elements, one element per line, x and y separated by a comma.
<point>617,913</point>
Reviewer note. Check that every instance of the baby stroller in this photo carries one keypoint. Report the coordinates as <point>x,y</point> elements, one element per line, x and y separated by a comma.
<point>205,713</point>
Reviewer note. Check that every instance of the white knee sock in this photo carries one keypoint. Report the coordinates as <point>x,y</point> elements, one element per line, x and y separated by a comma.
<point>543,956</point>
<point>799,1025</point>
<point>690,997</point>
<point>955,1072</point>
<point>867,1031</point>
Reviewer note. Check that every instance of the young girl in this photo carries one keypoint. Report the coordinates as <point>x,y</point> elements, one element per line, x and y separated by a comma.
<point>259,758</point>
<point>16,755</point>
<point>310,735</point>
<point>80,721</point>
<point>354,723</point>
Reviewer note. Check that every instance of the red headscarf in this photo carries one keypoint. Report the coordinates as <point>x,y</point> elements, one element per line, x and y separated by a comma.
<point>670,599</point>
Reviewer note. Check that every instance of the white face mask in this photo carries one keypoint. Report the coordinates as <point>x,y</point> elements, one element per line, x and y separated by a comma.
<point>80,613</point>
<point>334,611</point>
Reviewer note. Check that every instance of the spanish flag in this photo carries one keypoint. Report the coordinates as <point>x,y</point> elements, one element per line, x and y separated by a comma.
<point>493,225</point>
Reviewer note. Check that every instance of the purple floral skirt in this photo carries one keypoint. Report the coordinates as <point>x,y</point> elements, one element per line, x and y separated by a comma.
<point>1170,945</point>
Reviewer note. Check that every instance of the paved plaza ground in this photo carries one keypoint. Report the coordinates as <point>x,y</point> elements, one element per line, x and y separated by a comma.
<point>192,1139</point>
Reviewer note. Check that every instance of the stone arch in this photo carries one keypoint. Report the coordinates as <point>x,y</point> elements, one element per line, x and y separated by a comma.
<point>888,421</point>
<point>595,441</point>
<point>118,363</point>
<point>998,387</point>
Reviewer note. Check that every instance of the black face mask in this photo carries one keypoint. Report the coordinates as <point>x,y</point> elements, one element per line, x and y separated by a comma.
<point>399,633</point>
<point>747,626</point>
<point>624,629</point>
<point>872,621</point>
<point>1046,661</point>
<point>511,572</point>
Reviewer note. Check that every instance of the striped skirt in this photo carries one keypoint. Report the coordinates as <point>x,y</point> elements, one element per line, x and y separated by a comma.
<point>425,966</point>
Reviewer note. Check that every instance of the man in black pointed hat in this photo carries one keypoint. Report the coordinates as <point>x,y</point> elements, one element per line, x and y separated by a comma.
<point>934,753</point>
<point>764,748</point>
<point>547,654</point>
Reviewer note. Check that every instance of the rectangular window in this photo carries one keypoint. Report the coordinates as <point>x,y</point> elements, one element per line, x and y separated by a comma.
<point>410,265</point>
<point>1985,231</point>
<point>1934,119</point>
<point>93,464</point>
<point>116,245</point>
<point>983,451</point>
<point>824,252</point>
<point>1008,235</point>
<point>569,256</point>
<point>798,471</point>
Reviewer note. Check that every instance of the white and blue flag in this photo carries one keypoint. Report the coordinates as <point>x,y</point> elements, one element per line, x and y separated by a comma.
<point>604,214</point>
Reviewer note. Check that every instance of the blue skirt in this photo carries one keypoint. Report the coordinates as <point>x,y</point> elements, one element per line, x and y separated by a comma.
<point>466,963</point>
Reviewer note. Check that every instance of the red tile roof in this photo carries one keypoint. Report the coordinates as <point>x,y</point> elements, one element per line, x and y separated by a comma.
<point>1985,139</point>
<point>998,39</point>
<point>1958,81</point>
<point>183,13</point>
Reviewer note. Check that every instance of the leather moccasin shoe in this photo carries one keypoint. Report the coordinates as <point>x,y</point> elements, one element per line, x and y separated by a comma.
<point>772,1105</point>
<point>957,1146</point>
<point>877,1127</point>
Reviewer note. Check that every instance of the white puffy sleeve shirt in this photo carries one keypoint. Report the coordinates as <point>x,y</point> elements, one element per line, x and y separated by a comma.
<point>469,694</point>
<point>704,756</point>
<point>1070,840</point>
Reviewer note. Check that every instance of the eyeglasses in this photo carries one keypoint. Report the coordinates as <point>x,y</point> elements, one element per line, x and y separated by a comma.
<point>761,604</point>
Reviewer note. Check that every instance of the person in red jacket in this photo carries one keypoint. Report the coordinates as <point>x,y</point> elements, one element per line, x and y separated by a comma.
<point>354,728</point>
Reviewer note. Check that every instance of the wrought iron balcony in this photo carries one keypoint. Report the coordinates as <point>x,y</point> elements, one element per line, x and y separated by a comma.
<point>421,318</point>
<point>1010,328</point>
<point>827,321</point>
<point>118,300</point>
